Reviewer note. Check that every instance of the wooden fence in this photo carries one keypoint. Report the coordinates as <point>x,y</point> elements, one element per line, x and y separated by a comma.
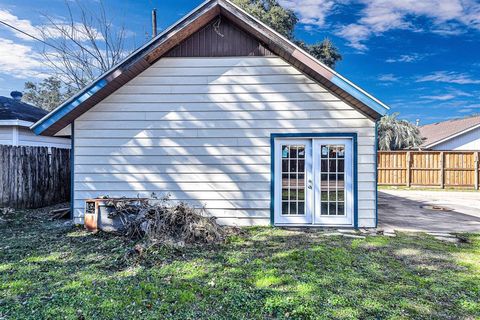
<point>443,169</point>
<point>33,177</point>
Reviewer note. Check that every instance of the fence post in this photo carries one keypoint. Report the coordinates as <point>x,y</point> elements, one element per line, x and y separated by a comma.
<point>477,168</point>
<point>442,170</point>
<point>409,164</point>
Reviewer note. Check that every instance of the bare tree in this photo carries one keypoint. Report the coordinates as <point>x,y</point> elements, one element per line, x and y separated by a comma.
<point>85,44</point>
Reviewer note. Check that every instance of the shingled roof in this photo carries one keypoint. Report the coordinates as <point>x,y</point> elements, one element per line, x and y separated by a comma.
<point>439,132</point>
<point>11,109</point>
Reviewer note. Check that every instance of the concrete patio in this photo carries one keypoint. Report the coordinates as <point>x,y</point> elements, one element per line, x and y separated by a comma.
<point>412,210</point>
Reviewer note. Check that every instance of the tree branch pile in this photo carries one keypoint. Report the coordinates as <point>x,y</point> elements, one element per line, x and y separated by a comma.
<point>168,222</point>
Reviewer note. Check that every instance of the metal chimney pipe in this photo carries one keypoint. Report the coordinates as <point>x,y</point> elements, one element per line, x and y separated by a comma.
<point>16,95</point>
<point>154,23</point>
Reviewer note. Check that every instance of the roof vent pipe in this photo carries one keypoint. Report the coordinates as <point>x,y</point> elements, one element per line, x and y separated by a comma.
<point>16,95</point>
<point>154,23</point>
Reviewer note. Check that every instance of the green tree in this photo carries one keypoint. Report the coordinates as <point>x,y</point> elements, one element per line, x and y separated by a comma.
<point>283,21</point>
<point>47,94</point>
<point>272,13</point>
<point>395,134</point>
<point>324,51</point>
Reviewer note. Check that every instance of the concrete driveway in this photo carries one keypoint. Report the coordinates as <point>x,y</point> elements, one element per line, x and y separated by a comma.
<point>411,210</point>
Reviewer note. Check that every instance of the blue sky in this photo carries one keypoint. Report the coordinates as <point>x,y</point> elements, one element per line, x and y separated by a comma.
<point>421,57</point>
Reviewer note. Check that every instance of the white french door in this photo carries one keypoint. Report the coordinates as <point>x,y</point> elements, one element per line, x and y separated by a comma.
<point>293,194</point>
<point>333,176</point>
<point>313,181</point>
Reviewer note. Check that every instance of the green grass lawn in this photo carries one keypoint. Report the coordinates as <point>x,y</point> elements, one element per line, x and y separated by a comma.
<point>52,270</point>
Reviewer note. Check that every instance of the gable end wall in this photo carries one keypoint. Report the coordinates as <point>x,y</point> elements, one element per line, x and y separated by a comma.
<point>199,129</point>
<point>467,141</point>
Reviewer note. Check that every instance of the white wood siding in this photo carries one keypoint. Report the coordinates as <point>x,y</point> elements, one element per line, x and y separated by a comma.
<point>467,141</point>
<point>22,136</point>
<point>199,129</point>
<point>26,137</point>
<point>6,135</point>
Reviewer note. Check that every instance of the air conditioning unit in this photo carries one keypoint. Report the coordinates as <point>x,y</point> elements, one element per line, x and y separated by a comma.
<point>100,214</point>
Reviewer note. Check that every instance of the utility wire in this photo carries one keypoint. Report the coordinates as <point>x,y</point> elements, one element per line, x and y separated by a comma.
<point>29,35</point>
<point>42,41</point>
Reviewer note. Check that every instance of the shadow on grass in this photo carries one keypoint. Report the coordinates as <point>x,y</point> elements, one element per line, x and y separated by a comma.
<point>53,270</point>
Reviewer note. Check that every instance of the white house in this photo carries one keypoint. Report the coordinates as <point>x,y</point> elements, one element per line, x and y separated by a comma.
<point>457,134</point>
<point>16,117</point>
<point>222,111</point>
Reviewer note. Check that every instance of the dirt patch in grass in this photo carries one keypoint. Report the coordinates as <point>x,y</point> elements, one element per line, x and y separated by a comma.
<point>50,269</point>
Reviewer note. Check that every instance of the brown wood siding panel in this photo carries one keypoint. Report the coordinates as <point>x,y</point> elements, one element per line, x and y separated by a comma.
<point>228,40</point>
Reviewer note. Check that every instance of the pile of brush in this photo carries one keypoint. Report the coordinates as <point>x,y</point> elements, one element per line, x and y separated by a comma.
<point>166,221</point>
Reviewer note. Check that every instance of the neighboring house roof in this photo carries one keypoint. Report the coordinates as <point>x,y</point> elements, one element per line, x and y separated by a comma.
<point>440,132</point>
<point>159,46</point>
<point>14,111</point>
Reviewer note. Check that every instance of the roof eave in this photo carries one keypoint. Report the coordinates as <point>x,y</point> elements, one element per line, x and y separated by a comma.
<point>15,122</point>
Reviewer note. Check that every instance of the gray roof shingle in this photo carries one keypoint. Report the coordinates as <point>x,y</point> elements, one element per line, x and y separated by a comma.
<point>441,130</point>
<point>11,109</point>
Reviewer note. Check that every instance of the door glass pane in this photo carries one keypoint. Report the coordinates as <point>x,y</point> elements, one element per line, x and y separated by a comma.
<point>332,209</point>
<point>284,207</point>
<point>293,179</point>
<point>284,180</point>
<point>341,208</point>
<point>301,165</point>
<point>301,194</point>
<point>293,152</point>
<point>293,208</point>
<point>332,180</point>
<point>301,207</point>
<point>301,152</point>
<point>301,180</point>
<point>324,208</point>
<point>293,165</point>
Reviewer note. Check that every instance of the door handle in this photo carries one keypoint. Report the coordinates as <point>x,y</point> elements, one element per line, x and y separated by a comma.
<point>309,185</point>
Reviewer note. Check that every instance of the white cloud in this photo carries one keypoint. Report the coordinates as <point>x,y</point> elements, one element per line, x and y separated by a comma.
<point>446,17</point>
<point>20,61</point>
<point>440,97</point>
<point>380,16</point>
<point>22,24</point>
<point>389,77</point>
<point>77,31</point>
<point>460,93</point>
<point>355,34</point>
<point>310,12</point>
<point>46,30</point>
<point>472,108</point>
<point>414,57</point>
<point>448,77</point>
